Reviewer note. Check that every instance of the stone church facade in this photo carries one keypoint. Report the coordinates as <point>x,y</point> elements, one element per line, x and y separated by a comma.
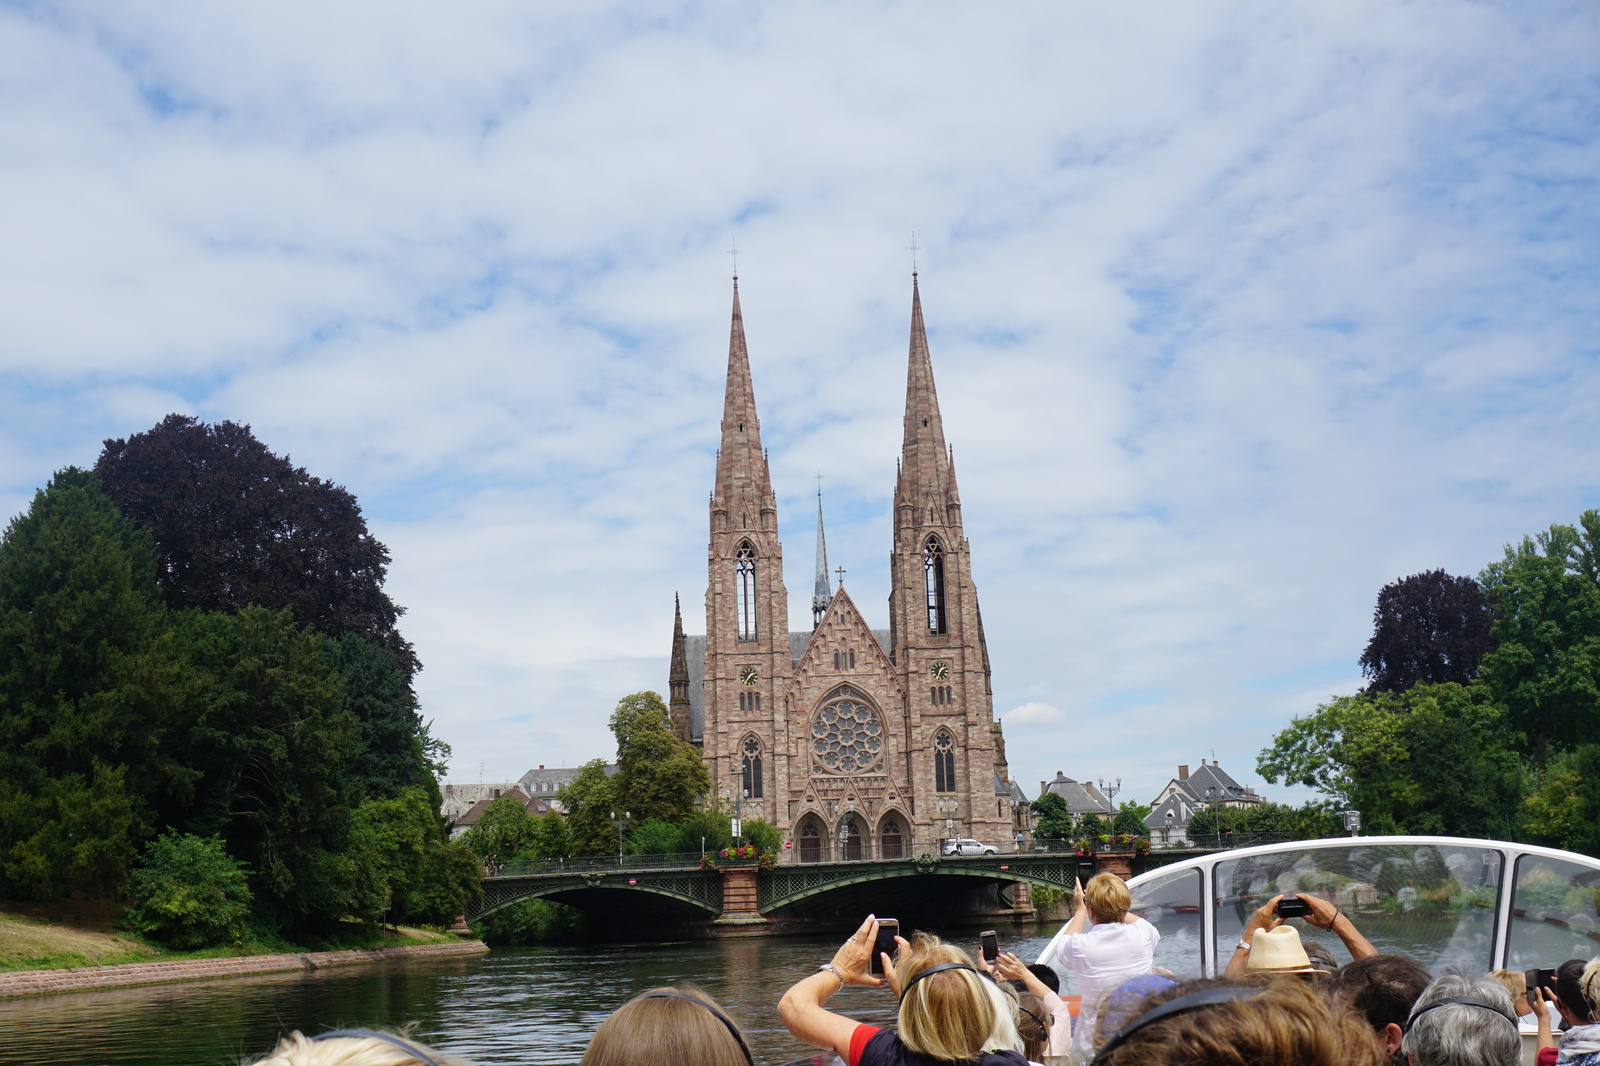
<point>853,742</point>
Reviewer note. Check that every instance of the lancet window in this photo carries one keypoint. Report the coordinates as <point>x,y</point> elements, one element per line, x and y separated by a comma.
<point>752,768</point>
<point>944,763</point>
<point>933,581</point>
<point>745,589</point>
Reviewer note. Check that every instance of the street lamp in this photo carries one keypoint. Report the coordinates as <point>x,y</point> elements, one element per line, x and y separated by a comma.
<point>947,806</point>
<point>739,795</point>
<point>1352,822</point>
<point>618,824</point>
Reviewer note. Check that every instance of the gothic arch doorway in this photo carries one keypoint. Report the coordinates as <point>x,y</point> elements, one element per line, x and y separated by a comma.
<point>810,840</point>
<point>891,836</point>
<point>851,838</point>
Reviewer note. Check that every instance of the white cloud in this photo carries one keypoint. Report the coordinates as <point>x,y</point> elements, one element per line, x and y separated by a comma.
<point>1238,312</point>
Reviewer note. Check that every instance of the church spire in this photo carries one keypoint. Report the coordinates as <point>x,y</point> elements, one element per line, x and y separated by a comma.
<point>678,675</point>
<point>744,486</point>
<point>822,593</point>
<point>926,475</point>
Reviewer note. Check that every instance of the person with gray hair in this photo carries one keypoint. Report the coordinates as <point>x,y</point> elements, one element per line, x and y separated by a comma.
<point>1462,1021</point>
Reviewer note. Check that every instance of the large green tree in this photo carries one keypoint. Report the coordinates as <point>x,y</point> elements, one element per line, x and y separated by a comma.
<point>1545,672</point>
<point>88,692</point>
<point>590,799</point>
<point>235,525</point>
<point>659,775</point>
<point>1432,759</point>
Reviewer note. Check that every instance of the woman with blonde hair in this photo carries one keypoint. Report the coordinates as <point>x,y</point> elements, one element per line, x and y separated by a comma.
<point>354,1047</point>
<point>949,1012</point>
<point>1104,945</point>
<point>680,1026</point>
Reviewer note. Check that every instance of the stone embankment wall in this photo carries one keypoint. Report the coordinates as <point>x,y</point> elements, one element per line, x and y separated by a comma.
<point>83,978</point>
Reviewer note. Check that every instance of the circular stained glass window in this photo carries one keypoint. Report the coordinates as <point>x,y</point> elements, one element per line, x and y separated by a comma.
<point>847,736</point>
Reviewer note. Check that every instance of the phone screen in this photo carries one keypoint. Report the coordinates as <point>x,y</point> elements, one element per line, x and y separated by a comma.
<point>888,929</point>
<point>990,943</point>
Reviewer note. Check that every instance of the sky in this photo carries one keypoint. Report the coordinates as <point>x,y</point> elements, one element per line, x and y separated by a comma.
<point>1238,311</point>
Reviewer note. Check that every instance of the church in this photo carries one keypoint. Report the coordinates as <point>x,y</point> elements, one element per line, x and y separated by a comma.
<point>854,742</point>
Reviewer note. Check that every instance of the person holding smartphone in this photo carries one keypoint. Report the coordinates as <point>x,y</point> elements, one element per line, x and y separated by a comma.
<point>949,1012</point>
<point>1315,910</point>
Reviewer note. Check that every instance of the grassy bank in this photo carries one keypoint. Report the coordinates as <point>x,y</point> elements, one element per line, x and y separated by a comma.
<point>82,932</point>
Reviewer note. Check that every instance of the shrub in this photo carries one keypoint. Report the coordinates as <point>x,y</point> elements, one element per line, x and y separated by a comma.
<point>189,892</point>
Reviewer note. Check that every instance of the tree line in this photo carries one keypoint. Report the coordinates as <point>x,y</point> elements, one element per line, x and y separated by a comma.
<point>206,703</point>
<point>1481,716</point>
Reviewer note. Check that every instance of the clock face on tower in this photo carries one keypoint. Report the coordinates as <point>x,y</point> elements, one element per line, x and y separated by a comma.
<point>940,670</point>
<point>749,676</point>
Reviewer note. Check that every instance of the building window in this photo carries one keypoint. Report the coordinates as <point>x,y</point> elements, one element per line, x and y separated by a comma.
<point>892,846</point>
<point>749,701</point>
<point>846,733</point>
<point>810,843</point>
<point>933,580</point>
<point>745,590</point>
<point>944,763</point>
<point>752,768</point>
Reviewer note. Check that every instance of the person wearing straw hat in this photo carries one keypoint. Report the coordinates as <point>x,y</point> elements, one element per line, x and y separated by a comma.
<point>1322,914</point>
<point>1278,951</point>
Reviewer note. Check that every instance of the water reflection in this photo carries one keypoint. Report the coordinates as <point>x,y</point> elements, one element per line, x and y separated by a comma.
<point>528,1007</point>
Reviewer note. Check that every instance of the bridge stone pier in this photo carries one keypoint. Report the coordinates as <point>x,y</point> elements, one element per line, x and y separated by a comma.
<point>679,900</point>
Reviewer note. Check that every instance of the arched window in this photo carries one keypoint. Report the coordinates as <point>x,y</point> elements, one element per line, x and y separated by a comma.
<point>944,763</point>
<point>745,590</point>
<point>933,580</point>
<point>752,768</point>
<point>892,845</point>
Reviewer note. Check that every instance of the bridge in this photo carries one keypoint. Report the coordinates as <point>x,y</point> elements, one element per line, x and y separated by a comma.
<point>673,889</point>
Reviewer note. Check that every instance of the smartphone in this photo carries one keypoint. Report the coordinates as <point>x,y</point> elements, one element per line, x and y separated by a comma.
<point>1538,979</point>
<point>989,944</point>
<point>888,929</point>
<point>1293,907</point>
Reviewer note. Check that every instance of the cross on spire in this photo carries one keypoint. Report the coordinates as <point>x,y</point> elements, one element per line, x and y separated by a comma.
<point>840,572</point>
<point>913,250</point>
<point>733,252</point>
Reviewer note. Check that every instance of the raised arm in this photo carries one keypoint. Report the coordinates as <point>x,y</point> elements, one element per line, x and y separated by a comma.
<point>803,1009</point>
<point>1265,917</point>
<point>1325,915</point>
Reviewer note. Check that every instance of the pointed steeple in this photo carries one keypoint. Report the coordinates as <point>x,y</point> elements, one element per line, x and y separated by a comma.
<point>927,478</point>
<point>743,486</point>
<point>678,675</point>
<point>822,594</point>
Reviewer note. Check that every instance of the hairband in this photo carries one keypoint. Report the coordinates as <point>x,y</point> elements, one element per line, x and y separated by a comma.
<point>1206,997</point>
<point>1465,1001</point>
<point>715,1013</point>
<point>930,971</point>
<point>388,1038</point>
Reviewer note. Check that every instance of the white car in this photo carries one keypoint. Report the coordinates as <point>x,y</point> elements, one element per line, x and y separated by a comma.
<point>967,846</point>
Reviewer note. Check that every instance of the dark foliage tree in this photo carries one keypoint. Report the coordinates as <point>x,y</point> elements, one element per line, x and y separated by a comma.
<point>393,747</point>
<point>1546,671</point>
<point>272,743</point>
<point>1053,820</point>
<point>88,692</point>
<point>1130,818</point>
<point>589,799</point>
<point>235,525</point>
<point>1428,628</point>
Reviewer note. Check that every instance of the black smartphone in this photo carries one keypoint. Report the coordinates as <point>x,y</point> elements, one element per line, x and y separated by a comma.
<point>888,929</point>
<point>1537,979</point>
<point>1293,907</point>
<point>989,944</point>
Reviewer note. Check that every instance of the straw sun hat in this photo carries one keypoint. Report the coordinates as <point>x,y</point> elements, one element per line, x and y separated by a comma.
<point>1278,951</point>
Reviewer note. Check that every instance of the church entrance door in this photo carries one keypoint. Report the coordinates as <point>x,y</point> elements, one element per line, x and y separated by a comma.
<point>810,843</point>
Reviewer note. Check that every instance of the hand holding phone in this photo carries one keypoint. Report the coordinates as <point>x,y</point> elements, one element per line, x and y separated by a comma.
<point>883,944</point>
<point>989,945</point>
<point>1293,907</point>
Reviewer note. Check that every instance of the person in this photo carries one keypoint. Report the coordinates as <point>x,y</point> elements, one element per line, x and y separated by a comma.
<point>354,1047</point>
<point>1382,989</point>
<point>1516,985</point>
<point>1578,998</point>
<point>1126,1002</point>
<point>1462,1021</point>
<point>1324,915</point>
<point>679,1025</point>
<point>949,1012</point>
<point>1033,1026</point>
<point>1104,944</point>
<point>1210,1022</point>
<point>1042,982</point>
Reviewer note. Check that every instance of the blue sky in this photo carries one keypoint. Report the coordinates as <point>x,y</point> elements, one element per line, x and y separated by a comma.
<point>1239,311</point>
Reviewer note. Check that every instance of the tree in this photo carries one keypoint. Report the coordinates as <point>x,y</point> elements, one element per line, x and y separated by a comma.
<point>271,742</point>
<point>505,830</point>
<point>1433,759</point>
<point>235,525</point>
<point>654,837</point>
<point>589,800</point>
<point>1130,818</point>
<point>189,892</point>
<point>1564,810</point>
<point>1091,825</point>
<point>394,751</point>
<point>659,775</point>
<point>1546,671</point>
<point>1428,628</point>
<point>88,692</point>
<point>1054,820</point>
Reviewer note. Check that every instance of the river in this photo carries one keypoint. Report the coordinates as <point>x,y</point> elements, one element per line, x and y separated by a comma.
<point>523,1006</point>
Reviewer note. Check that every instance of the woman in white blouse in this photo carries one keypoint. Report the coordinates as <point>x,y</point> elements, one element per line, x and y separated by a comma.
<point>1104,946</point>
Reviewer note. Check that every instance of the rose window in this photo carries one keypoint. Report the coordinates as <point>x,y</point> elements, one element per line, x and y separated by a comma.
<point>847,736</point>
